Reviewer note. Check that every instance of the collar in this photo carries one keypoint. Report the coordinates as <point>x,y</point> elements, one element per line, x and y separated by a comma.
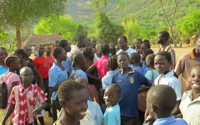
<point>192,55</point>
<point>131,70</point>
<point>22,88</point>
<point>126,50</point>
<point>165,121</point>
<point>104,57</point>
<point>111,72</point>
<point>169,74</point>
<point>189,95</point>
<point>56,67</point>
<point>1,67</point>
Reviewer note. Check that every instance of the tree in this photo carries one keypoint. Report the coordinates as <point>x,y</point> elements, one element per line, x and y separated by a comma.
<point>105,3</point>
<point>61,25</point>
<point>96,5</point>
<point>3,35</point>
<point>21,13</point>
<point>121,5</point>
<point>79,31</point>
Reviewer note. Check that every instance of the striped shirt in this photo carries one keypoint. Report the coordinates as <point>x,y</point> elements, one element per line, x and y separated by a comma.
<point>170,49</point>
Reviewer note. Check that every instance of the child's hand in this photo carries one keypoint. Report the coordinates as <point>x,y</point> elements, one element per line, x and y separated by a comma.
<point>37,111</point>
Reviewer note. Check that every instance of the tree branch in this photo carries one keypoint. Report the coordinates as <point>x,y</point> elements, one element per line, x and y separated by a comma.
<point>164,13</point>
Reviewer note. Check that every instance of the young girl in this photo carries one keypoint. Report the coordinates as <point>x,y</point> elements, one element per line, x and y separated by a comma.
<point>145,53</point>
<point>111,96</point>
<point>57,74</point>
<point>3,55</point>
<point>134,61</point>
<point>28,52</point>
<point>11,79</point>
<point>151,74</point>
<point>48,56</point>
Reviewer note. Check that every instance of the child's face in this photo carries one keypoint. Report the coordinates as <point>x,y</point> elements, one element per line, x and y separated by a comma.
<point>111,97</point>
<point>41,49</point>
<point>133,46</point>
<point>142,47</point>
<point>48,49</point>
<point>131,60</point>
<point>16,64</point>
<point>112,50</point>
<point>161,64</point>
<point>123,61</point>
<point>67,48</point>
<point>117,48</point>
<point>143,56</point>
<point>27,51</point>
<point>148,62</point>
<point>77,105</point>
<point>160,39</point>
<point>3,55</point>
<point>26,76</point>
<point>137,44</point>
<point>194,79</point>
<point>63,55</point>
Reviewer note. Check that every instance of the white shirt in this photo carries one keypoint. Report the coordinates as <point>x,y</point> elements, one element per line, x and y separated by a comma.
<point>170,80</point>
<point>129,51</point>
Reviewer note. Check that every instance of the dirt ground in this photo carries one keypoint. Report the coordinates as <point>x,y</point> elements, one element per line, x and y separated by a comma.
<point>178,51</point>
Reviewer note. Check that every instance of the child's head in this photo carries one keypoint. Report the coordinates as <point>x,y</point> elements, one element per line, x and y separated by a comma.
<point>134,58</point>
<point>40,49</point>
<point>88,53</point>
<point>112,62</point>
<point>84,82</point>
<point>82,41</point>
<point>160,99</point>
<point>117,48</point>
<point>65,45</point>
<point>112,50</point>
<point>89,43</point>
<point>150,60</point>
<point>27,51</point>
<point>123,60</point>
<point>26,75</point>
<point>138,43</point>
<point>94,42</point>
<point>13,62</point>
<point>56,43</point>
<point>112,94</point>
<point>122,42</point>
<point>111,44</point>
<point>104,49</point>
<point>78,59</point>
<point>145,53</point>
<point>147,41</point>
<point>20,53</point>
<point>144,46</point>
<point>162,62</point>
<point>47,49</point>
<point>163,36</point>
<point>194,78</point>
<point>3,54</point>
<point>59,53</point>
<point>133,46</point>
<point>73,99</point>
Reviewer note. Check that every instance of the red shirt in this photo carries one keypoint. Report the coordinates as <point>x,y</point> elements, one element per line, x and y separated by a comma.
<point>50,60</point>
<point>100,65</point>
<point>42,66</point>
<point>25,102</point>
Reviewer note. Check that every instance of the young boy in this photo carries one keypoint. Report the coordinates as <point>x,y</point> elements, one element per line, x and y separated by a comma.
<point>93,107</point>
<point>73,99</point>
<point>133,46</point>
<point>161,100</point>
<point>162,63</point>
<point>112,50</point>
<point>23,100</point>
<point>48,56</point>
<point>145,53</point>
<point>162,39</point>
<point>117,48</point>
<point>138,43</point>
<point>130,81</point>
<point>134,61</point>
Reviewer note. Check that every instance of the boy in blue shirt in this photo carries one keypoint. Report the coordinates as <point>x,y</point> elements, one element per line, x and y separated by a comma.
<point>130,81</point>
<point>161,100</point>
<point>134,61</point>
<point>145,53</point>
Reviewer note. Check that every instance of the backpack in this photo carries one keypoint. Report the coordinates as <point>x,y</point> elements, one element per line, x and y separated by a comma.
<point>3,94</point>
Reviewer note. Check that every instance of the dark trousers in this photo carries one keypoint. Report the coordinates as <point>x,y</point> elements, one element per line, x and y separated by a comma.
<point>46,90</point>
<point>130,120</point>
<point>55,106</point>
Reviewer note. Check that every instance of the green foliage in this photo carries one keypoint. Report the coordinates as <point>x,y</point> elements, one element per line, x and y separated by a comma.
<point>61,25</point>
<point>96,5</point>
<point>79,31</point>
<point>3,35</point>
<point>106,30</point>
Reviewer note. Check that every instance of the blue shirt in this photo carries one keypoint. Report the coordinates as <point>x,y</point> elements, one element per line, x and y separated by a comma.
<point>107,80</point>
<point>129,51</point>
<point>81,73</point>
<point>144,67</point>
<point>149,74</point>
<point>96,112</point>
<point>170,121</point>
<point>3,70</point>
<point>130,84</point>
<point>68,66</point>
<point>56,76</point>
<point>136,68</point>
<point>112,116</point>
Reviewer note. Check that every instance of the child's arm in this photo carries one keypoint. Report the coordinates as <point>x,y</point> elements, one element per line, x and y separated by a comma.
<point>12,85</point>
<point>89,73</point>
<point>39,109</point>
<point>9,112</point>
<point>143,80</point>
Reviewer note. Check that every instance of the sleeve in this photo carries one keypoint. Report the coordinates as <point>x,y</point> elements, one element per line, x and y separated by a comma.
<point>14,78</point>
<point>99,117</point>
<point>53,76</point>
<point>11,98</point>
<point>148,75</point>
<point>84,75</point>
<point>70,65</point>
<point>142,79</point>
<point>181,106</point>
<point>40,95</point>
<point>179,66</point>
<point>112,118</point>
<point>176,85</point>
<point>104,85</point>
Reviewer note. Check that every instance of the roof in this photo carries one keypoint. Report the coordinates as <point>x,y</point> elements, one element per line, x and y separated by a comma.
<point>192,37</point>
<point>45,39</point>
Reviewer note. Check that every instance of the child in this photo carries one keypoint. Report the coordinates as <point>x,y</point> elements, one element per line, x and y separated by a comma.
<point>144,46</point>
<point>117,48</point>
<point>151,74</point>
<point>130,81</point>
<point>3,55</point>
<point>93,107</point>
<point>162,39</point>
<point>73,99</point>
<point>112,95</point>
<point>189,106</point>
<point>28,52</point>
<point>11,79</point>
<point>145,53</point>
<point>162,63</point>
<point>161,100</point>
<point>57,74</point>
<point>24,106</point>
<point>138,43</point>
<point>133,46</point>
<point>134,61</point>
<point>112,50</point>
<point>112,64</point>
<point>48,56</point>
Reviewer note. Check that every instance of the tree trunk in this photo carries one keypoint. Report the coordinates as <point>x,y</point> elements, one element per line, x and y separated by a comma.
<point>180,45</point>
<point>105,9</point>
<point>173,39</point>
<point>18,35</point>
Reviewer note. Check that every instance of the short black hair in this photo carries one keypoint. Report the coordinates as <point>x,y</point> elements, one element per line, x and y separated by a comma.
<point>164,34</point>
<point>80,38</point>
<point>20,51</point>
<point>38,45</point>
<point>57,51</point>
<point>163,97</point>
<point>104,49</point>
<point>135,56</point>
<point>112,62</point>
<point>197,35</point>
<point>195,65</point>
<point>123,37</point>
<point>10,59</point>
<point>2,48</point>
<point>56,42</point>
<point>77,58</point>
<point>123,53</point>
<point>67,88</point>
<point>147,51</point>
<point>116,87</point>
<point>87,51</point>
<point>140,40</point>
<point>147,44</point>
<point>63,43</point>
<point>166,54</point>
<point>146,41</point>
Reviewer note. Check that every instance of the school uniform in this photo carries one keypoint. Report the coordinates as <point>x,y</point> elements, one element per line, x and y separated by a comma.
<point>170,121</point>
<point>68,66</point>
<point>80,73</point>
<point>112,116</point>
<point>144,68</point>
<point>130,84</point>
<point>3,70</point>
<point>149,74</point>
<point>136,68</point>
<point>107,80</point>
<point>129,51</point>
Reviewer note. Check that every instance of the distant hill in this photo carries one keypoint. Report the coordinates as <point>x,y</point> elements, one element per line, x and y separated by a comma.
<point>148,12</point>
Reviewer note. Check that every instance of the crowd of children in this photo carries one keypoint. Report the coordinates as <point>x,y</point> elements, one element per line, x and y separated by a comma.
<point>100,84</point>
